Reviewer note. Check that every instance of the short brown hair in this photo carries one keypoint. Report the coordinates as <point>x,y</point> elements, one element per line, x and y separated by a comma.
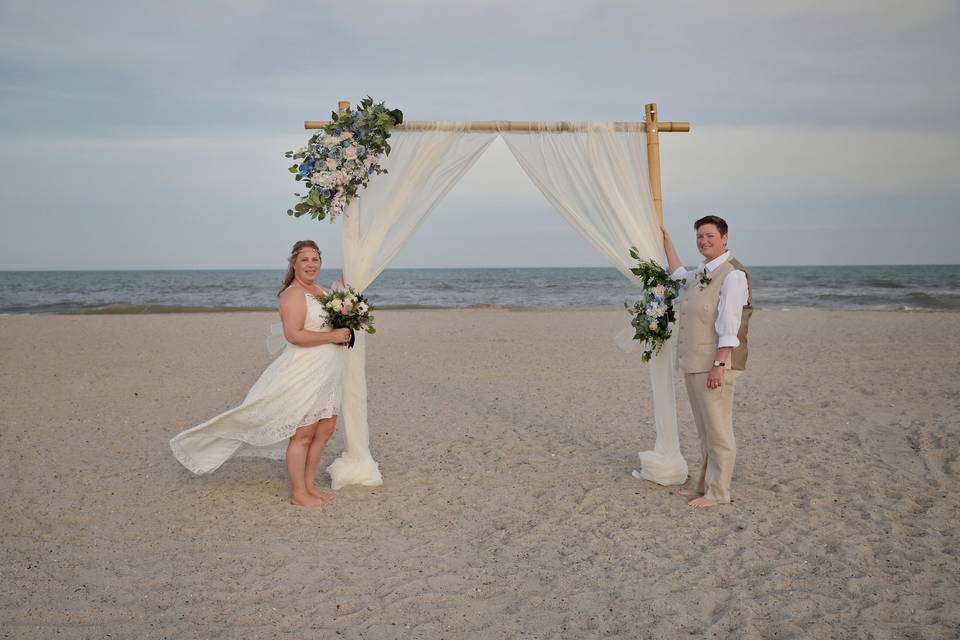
<point>717,220</point>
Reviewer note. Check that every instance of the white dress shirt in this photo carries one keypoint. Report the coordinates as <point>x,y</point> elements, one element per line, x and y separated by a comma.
<point>733,297</point>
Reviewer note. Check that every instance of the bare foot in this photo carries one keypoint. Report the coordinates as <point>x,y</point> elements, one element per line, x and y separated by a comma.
<point>702,503</point>
<point>688,492</point>
<point>316,493</point>
<point>307,500</point>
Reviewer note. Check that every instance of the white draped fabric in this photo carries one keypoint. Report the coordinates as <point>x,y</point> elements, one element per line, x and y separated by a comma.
<point>597,178</point>
<point>422,167</point>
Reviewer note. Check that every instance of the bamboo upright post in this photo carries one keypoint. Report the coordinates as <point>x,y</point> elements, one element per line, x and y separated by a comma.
<point>344,106</point>
<point>653,157</point>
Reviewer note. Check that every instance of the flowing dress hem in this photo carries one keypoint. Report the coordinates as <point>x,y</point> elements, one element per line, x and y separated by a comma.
<point>187,460</point>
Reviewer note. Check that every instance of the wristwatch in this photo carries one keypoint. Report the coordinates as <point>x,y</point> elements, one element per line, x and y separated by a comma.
<point>718,363</point>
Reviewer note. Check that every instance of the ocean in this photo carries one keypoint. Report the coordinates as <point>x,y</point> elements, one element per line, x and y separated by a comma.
<point>924,287</point>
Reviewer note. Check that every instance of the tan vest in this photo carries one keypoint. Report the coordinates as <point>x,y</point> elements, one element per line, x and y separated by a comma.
<point>697,337</point>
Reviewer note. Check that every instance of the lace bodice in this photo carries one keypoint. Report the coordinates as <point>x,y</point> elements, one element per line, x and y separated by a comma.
<point>316,315</point>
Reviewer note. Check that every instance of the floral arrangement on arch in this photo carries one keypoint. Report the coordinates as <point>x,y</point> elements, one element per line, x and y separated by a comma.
<point>340,158</point>
<point>653,315</point>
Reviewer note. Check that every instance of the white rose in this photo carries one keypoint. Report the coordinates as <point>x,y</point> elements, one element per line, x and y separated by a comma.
<point>322,179</point>
<point>660,290</point>
<point>330,141</point>
<point>653,326</point>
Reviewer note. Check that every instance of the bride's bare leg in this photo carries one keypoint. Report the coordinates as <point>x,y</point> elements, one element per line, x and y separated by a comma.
<point>689,492</point>
<point>321,436</point>
<point>297,450</point>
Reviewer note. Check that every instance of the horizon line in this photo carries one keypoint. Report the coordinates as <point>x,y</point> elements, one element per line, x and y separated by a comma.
<point>340,268</point>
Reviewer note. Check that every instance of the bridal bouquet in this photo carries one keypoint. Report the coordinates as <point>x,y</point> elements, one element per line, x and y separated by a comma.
<point>340,159</point>
<point>347,309</point>
<point>653,314</point>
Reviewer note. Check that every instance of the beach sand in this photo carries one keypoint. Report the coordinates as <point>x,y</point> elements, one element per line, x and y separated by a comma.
<point>506,440</point>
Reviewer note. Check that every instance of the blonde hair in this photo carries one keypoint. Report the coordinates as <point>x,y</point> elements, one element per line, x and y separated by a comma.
<point>298,246</point>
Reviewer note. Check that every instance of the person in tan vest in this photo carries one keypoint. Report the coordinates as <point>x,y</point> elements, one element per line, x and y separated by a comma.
<point>712,351</point>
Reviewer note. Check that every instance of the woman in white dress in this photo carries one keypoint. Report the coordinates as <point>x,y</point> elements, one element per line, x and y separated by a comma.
<point>291,411</point>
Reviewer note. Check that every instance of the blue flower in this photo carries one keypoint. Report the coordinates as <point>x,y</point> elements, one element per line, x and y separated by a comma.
<point>306,168</point>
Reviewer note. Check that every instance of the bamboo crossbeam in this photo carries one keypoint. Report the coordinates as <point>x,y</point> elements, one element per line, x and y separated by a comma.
<point>517,125</point>
<point>651,126</point>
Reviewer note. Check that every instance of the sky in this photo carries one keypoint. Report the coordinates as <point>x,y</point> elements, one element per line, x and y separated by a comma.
<point>141,135</point>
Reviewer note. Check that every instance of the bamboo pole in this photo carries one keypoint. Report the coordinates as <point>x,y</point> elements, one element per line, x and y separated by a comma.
<point>514,125</point>
<point>653,157</point>
<point>650,125</point>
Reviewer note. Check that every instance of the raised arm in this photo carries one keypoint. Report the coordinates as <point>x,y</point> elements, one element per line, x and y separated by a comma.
<point>672,258</point>
<point>293,315</point>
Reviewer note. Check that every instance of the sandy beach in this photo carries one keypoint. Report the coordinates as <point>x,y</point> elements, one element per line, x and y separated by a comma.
<point>506,440</point>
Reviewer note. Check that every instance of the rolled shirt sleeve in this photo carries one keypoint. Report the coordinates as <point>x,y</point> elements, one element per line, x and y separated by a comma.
<point>733,297</point>
<point>681,275</point>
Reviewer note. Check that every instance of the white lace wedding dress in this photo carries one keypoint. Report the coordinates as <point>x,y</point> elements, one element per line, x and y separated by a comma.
<point>300,387</point>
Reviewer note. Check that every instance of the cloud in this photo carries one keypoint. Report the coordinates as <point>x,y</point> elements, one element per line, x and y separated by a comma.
<point>755,163</point>
<point>174,116</point>
<point>217,200</point>
<point>115,65</point>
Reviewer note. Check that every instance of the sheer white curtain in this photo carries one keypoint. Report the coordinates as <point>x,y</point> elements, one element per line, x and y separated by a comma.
<point>597,179</point>
<point>422,167</point>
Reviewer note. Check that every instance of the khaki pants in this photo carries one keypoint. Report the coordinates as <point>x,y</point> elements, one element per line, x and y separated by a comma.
<point>713,413</point>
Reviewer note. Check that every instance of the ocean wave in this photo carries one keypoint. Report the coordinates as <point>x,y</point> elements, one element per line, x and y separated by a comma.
<point>446,286</point>
<point>126,309</point>
<point>926,301</point>
<point>913,300</point>
<point>408,307</point>
<point>935,288</point>
<point>884,283</point>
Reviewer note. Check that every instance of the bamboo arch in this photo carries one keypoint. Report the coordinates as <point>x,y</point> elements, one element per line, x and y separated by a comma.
<point>651,125</point>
